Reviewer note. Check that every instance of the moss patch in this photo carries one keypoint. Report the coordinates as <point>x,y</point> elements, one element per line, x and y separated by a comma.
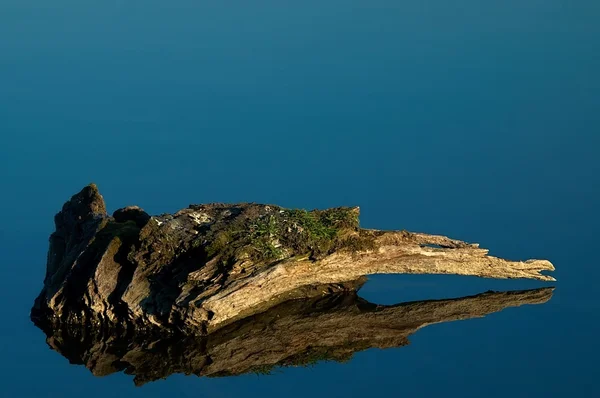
<point>125,231</point>
<point>276,234</point>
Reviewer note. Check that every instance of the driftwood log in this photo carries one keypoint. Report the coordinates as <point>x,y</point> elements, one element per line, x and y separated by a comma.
<point>208,266</point>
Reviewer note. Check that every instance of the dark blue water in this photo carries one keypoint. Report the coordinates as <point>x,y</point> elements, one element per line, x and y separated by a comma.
<point>478,120</point>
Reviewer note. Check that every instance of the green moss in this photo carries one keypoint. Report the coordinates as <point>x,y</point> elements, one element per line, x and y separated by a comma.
<point>125,231</point>
<point>264,232</point>
<point>361,241</point>
<point>265,250</point>
<point>219,243</point>
<point>311,223</point>
<point>265,227</point>
<point>321,231</point>
<point>280,233</point>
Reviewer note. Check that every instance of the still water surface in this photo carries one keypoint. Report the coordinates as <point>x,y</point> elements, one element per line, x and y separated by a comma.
<point>471,119</point>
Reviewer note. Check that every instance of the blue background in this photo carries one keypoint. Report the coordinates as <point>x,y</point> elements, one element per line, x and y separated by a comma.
<point>478,120</point>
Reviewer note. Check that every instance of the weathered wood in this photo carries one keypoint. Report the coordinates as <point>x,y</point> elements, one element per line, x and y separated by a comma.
<point>210,265</point>
<point>395,253</point>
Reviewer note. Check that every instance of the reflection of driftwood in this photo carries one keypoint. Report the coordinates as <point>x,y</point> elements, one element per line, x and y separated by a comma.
<point>294,333</point>
<point>209,265</point>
